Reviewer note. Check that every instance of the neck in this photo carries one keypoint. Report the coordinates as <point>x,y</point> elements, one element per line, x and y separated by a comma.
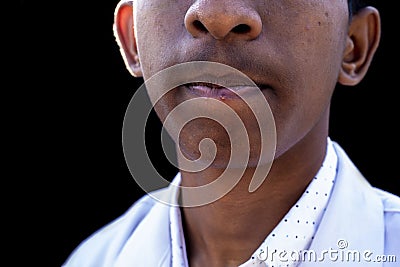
<point>226,232</point>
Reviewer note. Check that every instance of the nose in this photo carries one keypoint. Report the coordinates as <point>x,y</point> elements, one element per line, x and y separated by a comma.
<point>223,19</point>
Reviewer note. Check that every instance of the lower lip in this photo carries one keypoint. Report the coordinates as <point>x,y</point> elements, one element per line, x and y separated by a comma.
<point>220,92</point>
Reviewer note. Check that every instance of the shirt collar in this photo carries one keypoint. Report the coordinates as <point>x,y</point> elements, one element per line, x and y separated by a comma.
<point>293,234</point>
<point>179,257</point>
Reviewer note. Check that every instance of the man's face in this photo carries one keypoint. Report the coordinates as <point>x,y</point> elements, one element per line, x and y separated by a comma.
<point>292,50</point>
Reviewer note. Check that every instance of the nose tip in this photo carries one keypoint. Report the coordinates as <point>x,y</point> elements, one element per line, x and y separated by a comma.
<point>220,20</point>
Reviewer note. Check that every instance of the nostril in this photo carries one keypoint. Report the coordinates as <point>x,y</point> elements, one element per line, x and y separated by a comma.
<point>199,26</point>
<point>241,28</point>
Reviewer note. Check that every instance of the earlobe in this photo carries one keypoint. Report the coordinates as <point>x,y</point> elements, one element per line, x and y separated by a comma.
<point>361,44</point>
<point>125,36</point>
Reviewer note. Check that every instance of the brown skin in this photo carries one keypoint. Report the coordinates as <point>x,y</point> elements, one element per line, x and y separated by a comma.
<point>299,50</point>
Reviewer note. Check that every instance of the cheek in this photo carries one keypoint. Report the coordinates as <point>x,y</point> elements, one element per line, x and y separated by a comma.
<point>315,60</point>
<point>315,63</point>
<point>312,34</point>
<point>156,34</point>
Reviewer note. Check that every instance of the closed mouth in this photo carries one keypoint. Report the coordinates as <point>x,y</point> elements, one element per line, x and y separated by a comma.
<point>214,90</point>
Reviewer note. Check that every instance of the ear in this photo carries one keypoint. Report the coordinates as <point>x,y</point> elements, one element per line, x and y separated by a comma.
<point>125,36</point>
<point>362,41</point>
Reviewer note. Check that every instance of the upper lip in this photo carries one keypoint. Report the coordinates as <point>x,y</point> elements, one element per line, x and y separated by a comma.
<point>215,73</point>
<point>227,80</point>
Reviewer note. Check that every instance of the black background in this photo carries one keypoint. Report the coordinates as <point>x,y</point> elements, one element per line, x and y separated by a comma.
<point>72,89</point>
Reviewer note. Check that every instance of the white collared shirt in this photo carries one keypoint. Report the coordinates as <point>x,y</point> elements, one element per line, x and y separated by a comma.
<point>359,216</point>
<point>293,234</point>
